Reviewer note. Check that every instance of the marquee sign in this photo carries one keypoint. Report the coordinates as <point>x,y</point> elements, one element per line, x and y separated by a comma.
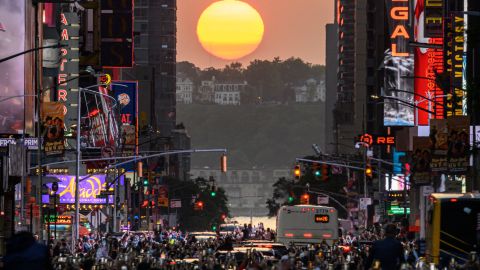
<point>89,189</point>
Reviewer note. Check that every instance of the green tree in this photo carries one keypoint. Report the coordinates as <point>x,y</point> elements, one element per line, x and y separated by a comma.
<point>288,188</point>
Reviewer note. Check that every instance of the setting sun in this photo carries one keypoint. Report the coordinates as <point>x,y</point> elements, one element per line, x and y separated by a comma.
<point>230,29</point>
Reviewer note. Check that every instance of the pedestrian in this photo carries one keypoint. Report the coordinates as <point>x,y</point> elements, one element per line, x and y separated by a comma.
<point>389,251</point>
<point>24,253</point>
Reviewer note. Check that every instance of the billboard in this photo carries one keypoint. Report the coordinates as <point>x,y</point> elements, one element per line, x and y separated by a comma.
<point>12,80</point>
<point>421,159</point>
<point>89,189</point>
<point>439,141</point>
<point>53,128</point>
<point>458,153</point>
<point>398,64</point>
<point>428,61</point>
<point>127,100</point>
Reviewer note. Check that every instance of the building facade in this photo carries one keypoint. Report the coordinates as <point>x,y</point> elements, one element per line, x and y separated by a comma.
<point>184,90</point>
<point>310,91</point>
<point>228,93</point>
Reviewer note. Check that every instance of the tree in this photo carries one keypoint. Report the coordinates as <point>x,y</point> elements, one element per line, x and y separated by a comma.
<point>214,207</point>
<point>288,192</point>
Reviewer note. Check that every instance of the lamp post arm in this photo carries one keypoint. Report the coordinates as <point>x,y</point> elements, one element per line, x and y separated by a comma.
<point>30,50</point>
<point>409,104</point>
<point>415,94</point>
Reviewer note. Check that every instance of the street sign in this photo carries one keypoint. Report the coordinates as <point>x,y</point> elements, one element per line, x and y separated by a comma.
<point>175,204</point>
<point>364,202</point>
<point>322,200</point>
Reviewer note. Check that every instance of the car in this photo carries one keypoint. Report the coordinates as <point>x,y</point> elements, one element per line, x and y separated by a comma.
<point>228,228</point>
<point>279,249</point>
<point>203,236</point>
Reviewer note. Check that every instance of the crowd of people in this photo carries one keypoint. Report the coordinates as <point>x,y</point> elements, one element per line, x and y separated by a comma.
<point>376,248</point>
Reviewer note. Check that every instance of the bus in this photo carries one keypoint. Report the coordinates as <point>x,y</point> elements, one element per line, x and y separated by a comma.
<point>304,224</point>
<point>452,227</point>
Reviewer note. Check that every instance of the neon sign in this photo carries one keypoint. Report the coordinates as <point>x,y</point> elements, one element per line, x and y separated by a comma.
<point>377,139</point>
<point>399,16</point>
<point>69,65</point>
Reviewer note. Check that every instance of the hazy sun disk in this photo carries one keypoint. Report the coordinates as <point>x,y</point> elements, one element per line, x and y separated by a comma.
<point>230,29</point>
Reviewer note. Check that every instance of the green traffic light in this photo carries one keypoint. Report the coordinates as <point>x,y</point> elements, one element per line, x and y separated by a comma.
<point>213,193</point>
<point>145,182</point>
<point>290,199</point>
<point>214,228</point>
<point>318,173</point>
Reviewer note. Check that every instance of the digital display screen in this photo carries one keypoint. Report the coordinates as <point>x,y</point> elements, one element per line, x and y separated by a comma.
<point>322,218</point>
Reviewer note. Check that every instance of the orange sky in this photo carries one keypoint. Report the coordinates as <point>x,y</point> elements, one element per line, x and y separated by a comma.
<point>292,28</point>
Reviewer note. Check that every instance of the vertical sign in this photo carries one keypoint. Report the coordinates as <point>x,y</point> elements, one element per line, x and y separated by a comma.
<point>127,100</point>
<point>68,67</point>
<point>432,17</point>
<point>398,64</point>
<point>439,140</point>
<point>428,61</point>
<point>454,50</point>
<point>12,72</point>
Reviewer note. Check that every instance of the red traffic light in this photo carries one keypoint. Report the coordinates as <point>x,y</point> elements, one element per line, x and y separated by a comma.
<point>198,205</point>
<point>223,216</point>
<point>305,199</point>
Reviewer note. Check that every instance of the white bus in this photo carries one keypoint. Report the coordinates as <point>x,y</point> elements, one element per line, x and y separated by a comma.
<point>303,224</point>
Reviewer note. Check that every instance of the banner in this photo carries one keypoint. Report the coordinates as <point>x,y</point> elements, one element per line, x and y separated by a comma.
<point>439,142</point>
<point>53,128</point>
<point>421,158</point>
<point>398,63</point>
<point>12,72</point>
<point>126,96</point>
<point>428,62</point>
<point>458,144</point>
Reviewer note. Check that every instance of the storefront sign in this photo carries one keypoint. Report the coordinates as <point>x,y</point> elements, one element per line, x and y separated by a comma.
<point>377,139</point>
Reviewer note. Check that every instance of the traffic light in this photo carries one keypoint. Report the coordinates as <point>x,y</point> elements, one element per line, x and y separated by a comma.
<point>316,170</point>
<point>213,191</point>
<point>223,163</point>
<point>290,199</point>
<point>223,216</point>
<point>297,172</point>
<point>214,228</point>
<point>325,172</point>
<point>368,172</point>
<point>145,182</point>
<point>198,206</point>
<point>305,199</point>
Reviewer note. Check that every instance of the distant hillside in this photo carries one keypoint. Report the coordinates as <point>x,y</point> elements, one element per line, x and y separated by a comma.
<point>262,136</point>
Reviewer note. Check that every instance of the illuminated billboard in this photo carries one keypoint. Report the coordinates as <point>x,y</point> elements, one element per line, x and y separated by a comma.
<point>89,189</point>
<point>398,64</point>
<point>12,81</point>
<point>428,61</point>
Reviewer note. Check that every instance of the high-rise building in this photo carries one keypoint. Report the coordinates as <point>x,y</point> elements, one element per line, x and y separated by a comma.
<point>331,62</point>
<point>155,33</point>
<point>361,29</point>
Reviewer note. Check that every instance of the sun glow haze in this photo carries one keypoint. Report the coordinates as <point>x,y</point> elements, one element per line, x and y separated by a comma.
<point>230,29</point>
